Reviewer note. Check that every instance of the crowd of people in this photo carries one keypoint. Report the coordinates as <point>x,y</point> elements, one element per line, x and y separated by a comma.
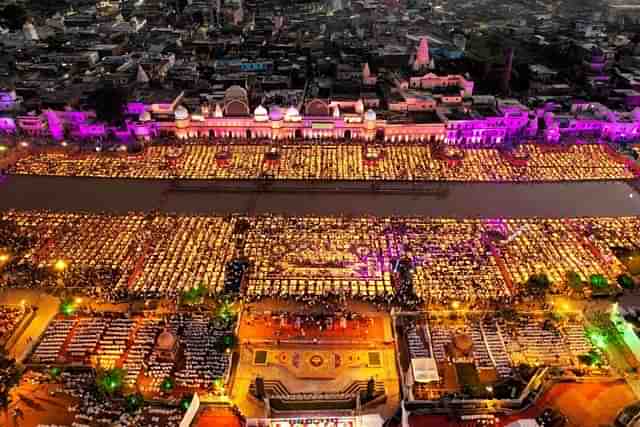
<point>9,318</point>
<point>337,323</point>
<point>310,259</point>
<point>299,160</point>
<point>496,343</point>
<point>113,340</point>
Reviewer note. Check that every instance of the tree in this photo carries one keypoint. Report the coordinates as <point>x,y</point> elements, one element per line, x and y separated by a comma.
<point>185,402</point>
<point>134,402</point>
<point>625,281</point>
<point>601,330</point>
<point>109,382</point>
<point>195,294</point>
<point>591,358</point>
<point>574,281</point>
<point>598,281</point>
<point>226,342</point>
<point>54,373</point>
<point>67,306</point>
<point>538,284</point>
<point>14,15</point>
<point>167,385</point>
<point>110,104</point>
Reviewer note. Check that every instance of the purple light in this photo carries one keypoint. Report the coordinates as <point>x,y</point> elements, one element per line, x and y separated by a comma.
<point>136,108</point>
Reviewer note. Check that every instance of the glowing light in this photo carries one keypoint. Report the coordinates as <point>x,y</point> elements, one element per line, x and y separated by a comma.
<point>3,148</point>
<point>166,385</point>
<point>24,144</point>
<point>565,306</point>
<point>489,389</point>
<point>64,143</point>
<point>60,265</point>
<point>4,257</point>
<point>455,305</point>
<point>78,300</point>
<point>67,308</point>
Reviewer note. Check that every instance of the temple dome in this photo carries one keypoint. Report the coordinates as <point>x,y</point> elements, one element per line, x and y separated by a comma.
<point>275,113</point>
<point>145,116</point>
<point>292,114</point>
<point>261,113</point>
<point>370,116</point>
<point>166,341</point>
<point>181,113</point>
<point>235,92</point>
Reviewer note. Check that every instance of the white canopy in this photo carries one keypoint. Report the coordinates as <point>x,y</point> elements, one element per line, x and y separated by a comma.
<point>424,369</point>
<point>529,422</point>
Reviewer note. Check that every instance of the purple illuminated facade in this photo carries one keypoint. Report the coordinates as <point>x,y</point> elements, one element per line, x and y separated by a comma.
<point>507,120</point>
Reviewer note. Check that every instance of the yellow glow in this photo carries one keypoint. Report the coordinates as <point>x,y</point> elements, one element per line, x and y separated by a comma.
<point>455,305</point>
<point>78,300</point>
<point>565,306</point>
<point>23,302</point>
<point>60,265</point>
<point>3,148</point>
<point>4,257</point>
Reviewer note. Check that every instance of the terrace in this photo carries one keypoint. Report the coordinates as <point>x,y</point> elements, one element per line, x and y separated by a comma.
<point>331,161</point>
<point>155,256</point>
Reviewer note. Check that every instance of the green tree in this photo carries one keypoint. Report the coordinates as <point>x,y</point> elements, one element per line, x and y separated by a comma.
<point>195,294</point>
<point>574,281</point>
<point>185,402</point>
<point>134,402</point>
<point>109,382</point>
<point>590,359</point>
<point>167,385</point>
<point>598,281</point>
<point>67,306</point>
<point>538,284</point>
<point>625,281</point>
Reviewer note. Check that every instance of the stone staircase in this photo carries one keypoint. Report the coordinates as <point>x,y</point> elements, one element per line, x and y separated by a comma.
<point>276,389</point>
<point>496,347</point>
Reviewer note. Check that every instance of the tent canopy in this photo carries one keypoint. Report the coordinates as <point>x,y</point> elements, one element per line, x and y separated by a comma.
<point>529,422</point>
<point>424,369</point>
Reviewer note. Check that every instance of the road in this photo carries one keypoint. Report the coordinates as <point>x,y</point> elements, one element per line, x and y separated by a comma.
<point>47,309</point>
<point>456,200</point>
<point>38,406</point>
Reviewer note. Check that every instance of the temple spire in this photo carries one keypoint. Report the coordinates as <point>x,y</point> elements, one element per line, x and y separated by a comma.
<point>422,56</point>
